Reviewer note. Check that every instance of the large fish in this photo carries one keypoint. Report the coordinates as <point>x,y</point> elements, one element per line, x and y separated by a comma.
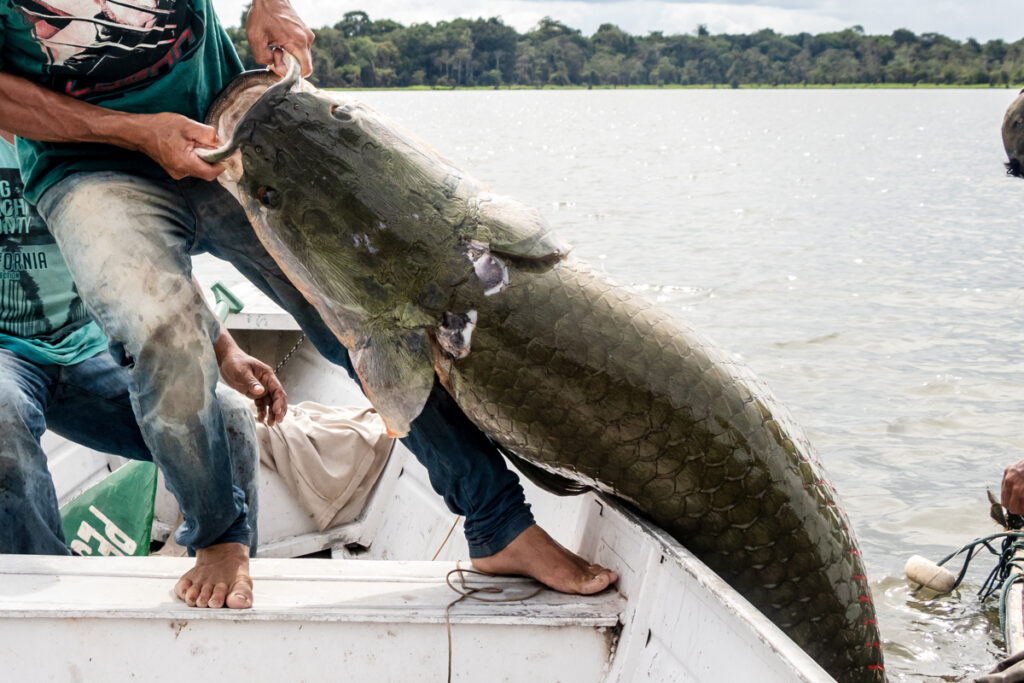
<point>421,272</point>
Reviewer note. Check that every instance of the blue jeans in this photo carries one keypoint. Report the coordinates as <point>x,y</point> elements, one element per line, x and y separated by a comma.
<point>89,403</point>
<point>128,240</point>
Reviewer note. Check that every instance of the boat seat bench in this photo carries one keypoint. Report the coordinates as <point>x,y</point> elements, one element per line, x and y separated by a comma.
<point>114,618</point>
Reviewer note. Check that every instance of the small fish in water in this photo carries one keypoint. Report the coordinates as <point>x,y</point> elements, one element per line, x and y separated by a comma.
<point>422,273</point>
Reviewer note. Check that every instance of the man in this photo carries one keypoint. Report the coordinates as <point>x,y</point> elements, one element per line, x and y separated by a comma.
<point>111,95</point>
<point>56,372</point>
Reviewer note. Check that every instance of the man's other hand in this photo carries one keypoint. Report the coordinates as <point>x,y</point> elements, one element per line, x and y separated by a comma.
<point>1013,488</point>
<point>256,380</point>
<point>171,140</point>
<point>273,23</point>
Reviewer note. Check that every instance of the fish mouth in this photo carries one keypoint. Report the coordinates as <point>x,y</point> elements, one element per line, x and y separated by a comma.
<point>242,95</point>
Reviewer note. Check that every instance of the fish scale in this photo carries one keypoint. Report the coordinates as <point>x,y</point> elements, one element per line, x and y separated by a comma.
<point>581,381</point>
<point>709,425</point>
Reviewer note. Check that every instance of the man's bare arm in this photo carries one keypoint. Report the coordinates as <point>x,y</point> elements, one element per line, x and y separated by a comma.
<point>168,139</point>
<point>1013,488</point>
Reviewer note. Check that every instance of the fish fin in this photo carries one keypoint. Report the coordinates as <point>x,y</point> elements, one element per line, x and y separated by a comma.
<point>549,481</point>
<point>397,375</point>
<point>512,228</point>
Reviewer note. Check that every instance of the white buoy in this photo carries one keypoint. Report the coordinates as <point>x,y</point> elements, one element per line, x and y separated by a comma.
<point>925,572</point>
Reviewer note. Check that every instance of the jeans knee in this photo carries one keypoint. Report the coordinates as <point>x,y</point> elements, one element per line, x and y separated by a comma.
<point>175,370</point>
<point>21,419</point>
<point>21,457</point>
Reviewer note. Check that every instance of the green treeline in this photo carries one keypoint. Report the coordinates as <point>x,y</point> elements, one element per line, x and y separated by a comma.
<point>360,52</point>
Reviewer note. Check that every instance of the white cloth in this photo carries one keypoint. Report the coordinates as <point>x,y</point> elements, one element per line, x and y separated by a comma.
<point>328,457</point>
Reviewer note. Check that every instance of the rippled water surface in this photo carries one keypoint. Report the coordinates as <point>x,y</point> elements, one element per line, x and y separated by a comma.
<point>861,250</point>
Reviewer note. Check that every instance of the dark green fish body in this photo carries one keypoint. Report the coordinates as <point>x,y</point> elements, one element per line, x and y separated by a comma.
<point>421,274</point>
<point>575,374</point>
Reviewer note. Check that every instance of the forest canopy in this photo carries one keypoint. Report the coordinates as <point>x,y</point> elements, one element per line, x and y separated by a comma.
<point>359,52</point>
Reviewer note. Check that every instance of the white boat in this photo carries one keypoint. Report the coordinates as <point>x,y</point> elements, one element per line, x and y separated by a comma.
<point>1013,611</point>
<point>1011,607</point>
<point>374,606</point>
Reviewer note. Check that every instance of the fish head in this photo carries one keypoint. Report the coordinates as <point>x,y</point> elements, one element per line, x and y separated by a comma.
<point>349,217</point>
<point>334,150</point>
<point>332,170</point>
<point>376,229</point>
<point>305,153</point>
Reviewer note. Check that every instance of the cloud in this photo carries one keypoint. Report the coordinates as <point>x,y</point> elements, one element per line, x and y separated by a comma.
<point>982,19</point>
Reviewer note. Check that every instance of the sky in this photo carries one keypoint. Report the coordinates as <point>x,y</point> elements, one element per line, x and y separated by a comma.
<point>960,19</point>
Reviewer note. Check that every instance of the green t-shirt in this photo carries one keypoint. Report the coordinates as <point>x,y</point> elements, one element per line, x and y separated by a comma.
<point>42,318</point>
<point>141,57</point>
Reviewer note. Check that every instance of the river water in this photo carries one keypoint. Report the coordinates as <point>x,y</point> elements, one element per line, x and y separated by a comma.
<point>859,249</point>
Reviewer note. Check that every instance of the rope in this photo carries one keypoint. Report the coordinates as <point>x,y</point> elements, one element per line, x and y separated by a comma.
<point>997,578</point>
<point>445,541</point>
<point>1003,577</point>
<point>1008,570</point>
<point>1000,575</point>
<point>472,593</point>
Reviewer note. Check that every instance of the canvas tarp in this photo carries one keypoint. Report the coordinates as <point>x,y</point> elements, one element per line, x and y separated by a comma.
<point>328,457</point>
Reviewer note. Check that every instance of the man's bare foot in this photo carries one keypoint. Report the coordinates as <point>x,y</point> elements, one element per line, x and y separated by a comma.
<point>220,577</point>
<point>535,554</point>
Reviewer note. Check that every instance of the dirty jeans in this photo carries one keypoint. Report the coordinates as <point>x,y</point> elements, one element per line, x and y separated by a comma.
<point>88,403</point>
<point>128,240</point>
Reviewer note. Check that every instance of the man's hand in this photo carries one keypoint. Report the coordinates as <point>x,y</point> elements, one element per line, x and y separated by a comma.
<point>171,140</point>
<point>254,379</point>
<point>273,23</point>
<point>1013,488</point>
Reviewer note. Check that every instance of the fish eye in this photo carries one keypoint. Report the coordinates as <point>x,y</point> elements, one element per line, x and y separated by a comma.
<point>268,197</point>
<point>341,113</point>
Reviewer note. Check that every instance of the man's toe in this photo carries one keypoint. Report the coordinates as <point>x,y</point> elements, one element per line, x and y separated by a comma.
<point>192,595</point>
<point>181,588</point>
<point>240,595</point>
<point>597,580</point>
<point>204,596</point>
<point>220,594</point>
<point>594,584</point>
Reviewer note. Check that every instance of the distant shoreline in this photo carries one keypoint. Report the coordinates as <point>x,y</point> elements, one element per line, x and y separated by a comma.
<point>749,86</point>
<point>359,52</point>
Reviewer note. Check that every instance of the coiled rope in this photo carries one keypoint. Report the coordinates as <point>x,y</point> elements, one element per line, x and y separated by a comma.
<point>1002,577</point>
<point>473,593</point>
